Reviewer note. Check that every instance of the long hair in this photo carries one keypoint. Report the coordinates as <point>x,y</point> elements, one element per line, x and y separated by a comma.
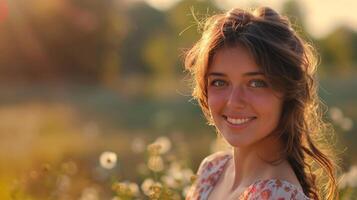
<point>289,63</point>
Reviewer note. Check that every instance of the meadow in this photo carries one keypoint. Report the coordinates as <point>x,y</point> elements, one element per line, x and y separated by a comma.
<point>93,142</point>
<point>94,103</point>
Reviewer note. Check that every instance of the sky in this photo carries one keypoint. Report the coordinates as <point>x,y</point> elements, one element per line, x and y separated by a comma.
<point>322,16</point>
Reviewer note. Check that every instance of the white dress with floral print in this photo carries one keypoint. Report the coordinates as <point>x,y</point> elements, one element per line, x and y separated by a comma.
<point>271,189</point>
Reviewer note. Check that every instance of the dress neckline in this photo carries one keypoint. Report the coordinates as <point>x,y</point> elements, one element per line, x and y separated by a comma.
<point>255,183</point>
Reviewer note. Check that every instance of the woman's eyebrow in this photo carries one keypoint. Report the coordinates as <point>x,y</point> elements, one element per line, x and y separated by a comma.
<point>216,74</point>
<point>254,73</point>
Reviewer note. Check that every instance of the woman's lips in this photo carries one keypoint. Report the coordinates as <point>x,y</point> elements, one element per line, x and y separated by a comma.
<point>238,121</point>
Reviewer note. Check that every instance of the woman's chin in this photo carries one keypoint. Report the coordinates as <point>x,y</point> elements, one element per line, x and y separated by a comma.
<point>237,143</point>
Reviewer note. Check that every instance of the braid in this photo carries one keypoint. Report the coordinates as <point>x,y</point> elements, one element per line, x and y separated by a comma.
<point>299,166</point>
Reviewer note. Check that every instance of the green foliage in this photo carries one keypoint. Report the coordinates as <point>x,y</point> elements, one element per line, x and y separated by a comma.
<point>338,50</point>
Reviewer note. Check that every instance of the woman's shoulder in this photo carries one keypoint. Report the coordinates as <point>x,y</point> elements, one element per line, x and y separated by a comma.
<point>208,173</point>
<point>213,161</point>
<point>274,189</point>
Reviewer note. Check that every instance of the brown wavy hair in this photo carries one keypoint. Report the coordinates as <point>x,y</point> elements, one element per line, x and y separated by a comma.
<point>289,63</point>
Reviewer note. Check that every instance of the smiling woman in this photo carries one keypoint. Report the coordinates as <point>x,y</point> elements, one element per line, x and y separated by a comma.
<point>255,82</point>
<point>242,104</point>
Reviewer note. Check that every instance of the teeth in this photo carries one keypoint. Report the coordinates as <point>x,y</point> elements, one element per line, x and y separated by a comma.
<point>238,121</point>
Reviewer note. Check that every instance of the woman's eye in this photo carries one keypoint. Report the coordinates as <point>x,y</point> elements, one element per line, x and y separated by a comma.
<point>258,83</point>
<point>218,83</point>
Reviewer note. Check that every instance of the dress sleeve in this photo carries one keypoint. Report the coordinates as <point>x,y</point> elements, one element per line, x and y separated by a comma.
<point>206,175</point>
<point>193,193</point>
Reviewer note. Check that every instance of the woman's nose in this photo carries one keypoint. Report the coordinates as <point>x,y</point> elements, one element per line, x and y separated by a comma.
<point>237,97</point>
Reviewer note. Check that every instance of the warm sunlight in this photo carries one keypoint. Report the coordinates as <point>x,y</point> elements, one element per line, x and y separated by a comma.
<point>320,16</point>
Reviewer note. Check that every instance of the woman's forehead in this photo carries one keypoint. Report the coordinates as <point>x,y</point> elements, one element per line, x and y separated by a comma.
<point>229,58</point>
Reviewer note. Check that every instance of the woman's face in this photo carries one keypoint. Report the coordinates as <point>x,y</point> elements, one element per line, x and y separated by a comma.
<point>244,107</point>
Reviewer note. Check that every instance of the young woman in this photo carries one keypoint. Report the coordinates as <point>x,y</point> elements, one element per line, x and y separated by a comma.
<point>255,82</point>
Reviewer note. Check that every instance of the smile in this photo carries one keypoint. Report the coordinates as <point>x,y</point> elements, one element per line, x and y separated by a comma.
<point>239,121</point>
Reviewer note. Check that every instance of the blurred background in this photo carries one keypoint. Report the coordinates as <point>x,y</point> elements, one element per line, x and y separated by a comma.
<point>87,85</point>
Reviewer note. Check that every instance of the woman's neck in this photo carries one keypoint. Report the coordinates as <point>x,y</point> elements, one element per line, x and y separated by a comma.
<point>254,162</point>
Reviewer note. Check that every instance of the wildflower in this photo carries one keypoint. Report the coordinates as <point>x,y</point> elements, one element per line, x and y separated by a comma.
<point>154,149</point>
<point>146,185</point>
<point>175,171</point>
<point>156,163</point>
<point>89,194</point>
<point>165,144</point>
<point>120,188</point>
<point>346,124</point>
<point>180,174</point>
<point>170,181</point>
<point>126,188</point>
<point>156,187</point>
<point>134,188</point>
<point>161,146</point>
<point>335,114</point>
<point>349,179</point>
<point>151,188</point>
<point>155,191</point>
<point>168,194</point>
<point>108,160</point>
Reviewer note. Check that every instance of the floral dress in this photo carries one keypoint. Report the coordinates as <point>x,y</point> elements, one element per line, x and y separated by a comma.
<point>271,189</point>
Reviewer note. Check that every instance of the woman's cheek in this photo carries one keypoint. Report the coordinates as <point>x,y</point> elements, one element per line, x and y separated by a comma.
<point>267,103</point>
<point>215,99</point>
<point>255,97</point>
<point>260,96</point>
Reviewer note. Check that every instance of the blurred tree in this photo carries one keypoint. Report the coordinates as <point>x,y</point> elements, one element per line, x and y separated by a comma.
<point>113,31</point>
<point>338,52</point>
<point>162,52</point>
<point>46,40</point>
<point>144,24</point>
<point>160,55</point>
<point>295,12</point>
<point>164,48</point>
<point>101,41</point>
<point>186,19</point>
